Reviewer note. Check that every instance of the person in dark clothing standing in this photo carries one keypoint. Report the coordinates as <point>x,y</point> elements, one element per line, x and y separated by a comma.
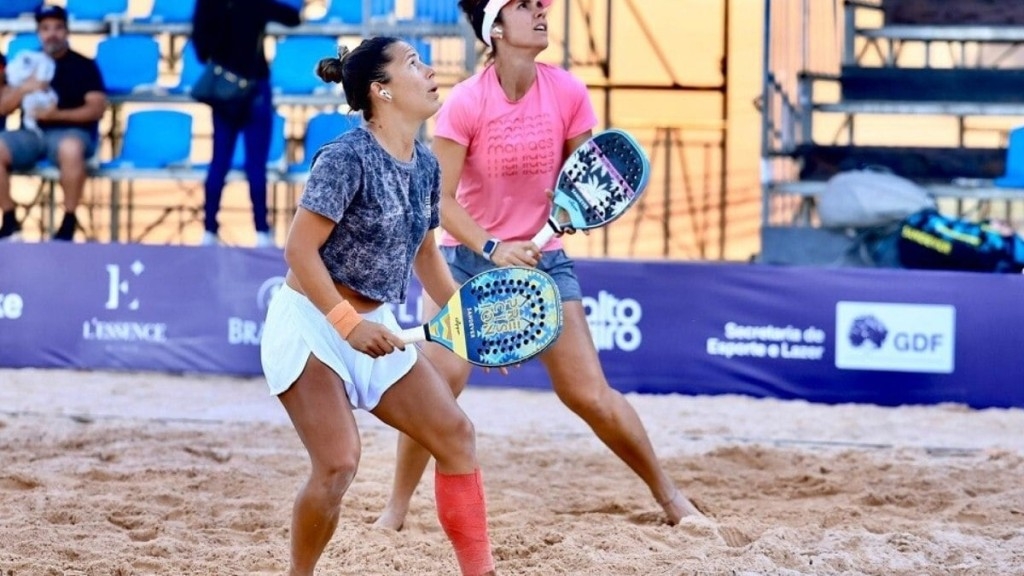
<point>230,33</point>
<point>3,84</point>
<point>68,132</point>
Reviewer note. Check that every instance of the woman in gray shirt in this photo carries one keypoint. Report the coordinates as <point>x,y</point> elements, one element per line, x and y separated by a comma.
<point>364,224</point>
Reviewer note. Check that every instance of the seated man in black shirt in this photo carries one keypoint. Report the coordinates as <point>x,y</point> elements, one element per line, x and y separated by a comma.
<point>68,132</point>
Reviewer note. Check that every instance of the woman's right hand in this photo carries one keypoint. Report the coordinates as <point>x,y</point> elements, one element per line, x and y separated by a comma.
<point>516,253</point>
<point>374,339</point>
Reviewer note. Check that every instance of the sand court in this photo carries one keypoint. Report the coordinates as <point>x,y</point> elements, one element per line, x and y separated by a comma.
<point>105,473</point>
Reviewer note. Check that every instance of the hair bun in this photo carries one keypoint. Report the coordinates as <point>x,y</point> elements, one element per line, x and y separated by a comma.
<point>332,69</point>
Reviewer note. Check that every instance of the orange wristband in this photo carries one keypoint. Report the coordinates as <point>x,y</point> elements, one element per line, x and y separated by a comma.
<point>344,318</point>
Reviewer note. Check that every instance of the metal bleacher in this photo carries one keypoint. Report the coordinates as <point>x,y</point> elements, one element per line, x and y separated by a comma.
<point>136,85</point>
<point>844,88</point>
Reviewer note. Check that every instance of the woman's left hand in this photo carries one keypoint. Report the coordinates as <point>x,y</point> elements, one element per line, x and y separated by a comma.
<point>502,370</point>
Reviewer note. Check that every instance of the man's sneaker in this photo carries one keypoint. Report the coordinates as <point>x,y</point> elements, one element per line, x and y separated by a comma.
<point>66,232</point>
<point>209,239</point>
<point>264,240</point>
<point>10,230</point>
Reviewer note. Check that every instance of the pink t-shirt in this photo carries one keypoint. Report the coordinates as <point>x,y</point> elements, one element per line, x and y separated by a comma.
<point>514,150</point>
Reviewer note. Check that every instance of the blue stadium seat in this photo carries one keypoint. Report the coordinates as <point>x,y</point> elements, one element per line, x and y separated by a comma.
<point>190,71</point>
<point>23,41</point>
<point>276,159</point>
<point>170,11</point>
<point>320,130</point>
<point>154,139</point>
<point>15,8</point>
<point>95,9</point>
<point>437,11</point>
<point>128,63</point>
<point>1014,175</point>
<point>351,11</point>
<point>293,69</point>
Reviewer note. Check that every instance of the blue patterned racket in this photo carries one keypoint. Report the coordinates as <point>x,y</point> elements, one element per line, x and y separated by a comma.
<point>598,182</point>
<point>497,318</point>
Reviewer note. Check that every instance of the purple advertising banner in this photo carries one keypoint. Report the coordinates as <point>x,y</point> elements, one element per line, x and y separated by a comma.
<point>131,306</point>
<point>825,335</point>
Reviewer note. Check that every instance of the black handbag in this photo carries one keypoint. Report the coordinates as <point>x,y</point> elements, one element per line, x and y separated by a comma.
<point>220,87</point>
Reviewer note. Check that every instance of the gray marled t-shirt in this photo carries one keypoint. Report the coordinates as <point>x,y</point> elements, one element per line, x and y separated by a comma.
<point>383,208</point>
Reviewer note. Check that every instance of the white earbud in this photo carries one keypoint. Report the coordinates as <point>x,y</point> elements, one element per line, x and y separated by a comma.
<point>385,94</point>
<point>498,31</point>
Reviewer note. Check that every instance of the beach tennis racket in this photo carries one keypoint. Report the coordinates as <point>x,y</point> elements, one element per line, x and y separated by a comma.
<point>598,183</point>
<point>497,318</point>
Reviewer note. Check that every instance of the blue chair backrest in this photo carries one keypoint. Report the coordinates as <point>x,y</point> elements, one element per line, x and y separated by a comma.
<point>24,41</point>
<point>95,9</point>
<point>351,11</point>
<point>157,138</point>
<point>277,144</point>
<point>323,128</point>
<point>437,11</point>
<point>128,62</point>
<point>191,68</point>
<point>1015,153</point>
<point>15,8</point>
<point>176,11</point>
<point>293,69</point>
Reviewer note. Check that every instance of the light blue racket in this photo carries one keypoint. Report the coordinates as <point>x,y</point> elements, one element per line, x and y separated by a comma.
<point>598,182</point>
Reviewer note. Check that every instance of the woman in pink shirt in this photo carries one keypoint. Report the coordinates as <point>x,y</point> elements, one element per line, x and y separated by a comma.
<point>501,138</point>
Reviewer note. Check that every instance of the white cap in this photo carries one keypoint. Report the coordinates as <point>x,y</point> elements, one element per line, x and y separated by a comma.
<point>491,11</point>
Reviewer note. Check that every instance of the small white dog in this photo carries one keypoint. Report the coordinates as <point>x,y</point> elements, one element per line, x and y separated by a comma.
<point>24,66</point>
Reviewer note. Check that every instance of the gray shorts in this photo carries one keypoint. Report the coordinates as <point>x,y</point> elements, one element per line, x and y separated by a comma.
<point>28,147</point>
<point>465,263</point>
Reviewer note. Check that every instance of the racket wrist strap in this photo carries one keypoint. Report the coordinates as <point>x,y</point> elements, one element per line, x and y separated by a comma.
<point>344,318</point>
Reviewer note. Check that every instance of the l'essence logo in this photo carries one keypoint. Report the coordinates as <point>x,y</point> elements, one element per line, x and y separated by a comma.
<point>898,337</point>
<point>118,299</point>
<point>118,287</point>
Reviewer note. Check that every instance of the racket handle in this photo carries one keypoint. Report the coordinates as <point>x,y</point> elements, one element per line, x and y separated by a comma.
<point>414,334</point>
<point>546,233</point>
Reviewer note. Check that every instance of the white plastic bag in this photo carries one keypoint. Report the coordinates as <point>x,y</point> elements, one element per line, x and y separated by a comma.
<point>869,198</point>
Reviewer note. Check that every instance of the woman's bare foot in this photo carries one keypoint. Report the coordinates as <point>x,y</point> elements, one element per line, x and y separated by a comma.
<point>678,507</point>
<point>390,519</point>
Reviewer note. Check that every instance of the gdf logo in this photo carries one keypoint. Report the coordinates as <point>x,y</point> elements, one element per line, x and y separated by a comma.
<point>896,337</point>
<point>918,342</point>
<point>614,321</point>
<point>11,306</point>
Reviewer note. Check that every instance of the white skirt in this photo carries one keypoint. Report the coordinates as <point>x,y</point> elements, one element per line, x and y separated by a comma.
<point>295,328</point>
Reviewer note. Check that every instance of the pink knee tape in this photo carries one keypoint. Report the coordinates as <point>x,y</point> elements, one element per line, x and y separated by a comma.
<point>462,511</point>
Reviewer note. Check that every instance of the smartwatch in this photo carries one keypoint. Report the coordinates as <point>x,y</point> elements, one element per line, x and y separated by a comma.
<point>489,247</point>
